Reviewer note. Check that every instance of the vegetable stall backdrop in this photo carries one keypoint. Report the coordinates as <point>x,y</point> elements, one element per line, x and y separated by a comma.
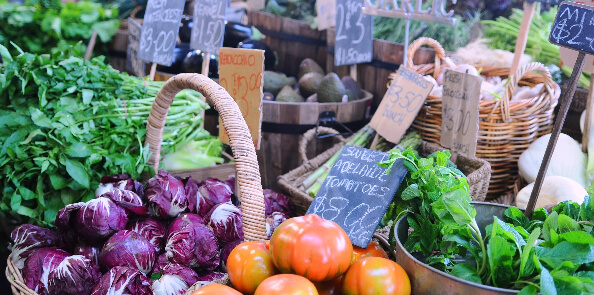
<point>85,213</point>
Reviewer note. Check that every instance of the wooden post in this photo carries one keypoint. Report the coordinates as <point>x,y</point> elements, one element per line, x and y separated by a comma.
<point>529,9</point>
<point>588,121</point>
<point>91,45</point>
<point>205,63</point>
<point>153,71</point>
<point>353,71</point>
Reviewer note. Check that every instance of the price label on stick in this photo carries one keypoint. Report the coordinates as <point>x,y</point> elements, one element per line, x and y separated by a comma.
<point>459,124</point>
<point>159,30</point>
<point>400,105</point>
<point>574,27</point>
<point>240,73</point>
<point>134,64</point>
<point>357,192</point>
<point>326,10</point>
<point>354,38</point>
<point>209,25</point>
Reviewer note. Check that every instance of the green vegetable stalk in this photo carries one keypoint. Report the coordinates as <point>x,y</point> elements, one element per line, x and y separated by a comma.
<point>65,122</point>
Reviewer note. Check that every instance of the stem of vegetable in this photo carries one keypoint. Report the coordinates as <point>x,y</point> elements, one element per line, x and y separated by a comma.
<point>476,231</point>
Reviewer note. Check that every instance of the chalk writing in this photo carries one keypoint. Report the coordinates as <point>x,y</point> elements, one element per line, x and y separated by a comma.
<point>209,25</point>
<point>354,40</point>
<point>574,27</point>
<point>159,31</point>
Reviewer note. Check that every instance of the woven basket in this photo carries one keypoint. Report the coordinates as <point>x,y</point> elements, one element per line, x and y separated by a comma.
<point>506,128</point>
<point>248,175</point>
<point>477,172</point>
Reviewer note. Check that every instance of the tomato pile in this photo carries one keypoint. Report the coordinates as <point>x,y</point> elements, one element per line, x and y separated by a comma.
<point>308,255</point>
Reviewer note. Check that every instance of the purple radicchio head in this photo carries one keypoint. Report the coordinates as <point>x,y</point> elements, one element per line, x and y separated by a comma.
<point>76,275</point>
<point>152,229</point>
<point>27,238</point>
<point>226,250</point>
<point>211,192</point>
<point>65,224</point>
<point>211,277</point>
<point>123,280</point>
<point>128,200</point>
<point>166,195</point>
<point>273,221</point>
<point>226,223</point>
<point>127,248</point>
<point>191,243</point>
<point>99,218</point>
<point>277,202</point>
<point>191,189</point>
<point>38,267</point>
<point>176,279</point>
<point>119,181</point>
<point>89,252</point>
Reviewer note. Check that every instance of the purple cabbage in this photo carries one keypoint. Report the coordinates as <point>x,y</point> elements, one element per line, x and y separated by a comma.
<point>160,263</point>
<point>152,229</point>
<point>89,252</point>
<point>277,202</point>
<point>191,189</point>
<point>166,195</point>
<point>192,244</point>
<point>211,277</point>
<point>226,250</point>
<point>273,221</point>
<point>119,181</point>
<point>65,224</point>
<point>231,183</point>
<point>38,267</point>
<point>186,219</point>
<point>76,275</point>
<point>226,223</point>
<point>128,200</point>
<point>27,238</point>
<point>176,279</point>
<point>211,192</point>
<point>128,248</point>
<point>123,280</point>
<point>100,218</point>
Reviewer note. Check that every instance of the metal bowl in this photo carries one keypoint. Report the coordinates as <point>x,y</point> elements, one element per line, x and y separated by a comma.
<point>426,280</point>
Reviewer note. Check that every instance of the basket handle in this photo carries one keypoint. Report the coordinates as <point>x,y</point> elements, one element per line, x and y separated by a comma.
<point>439,53</point>
<point>248,174</point>
<point>310,135</point>
<point>513,80</point>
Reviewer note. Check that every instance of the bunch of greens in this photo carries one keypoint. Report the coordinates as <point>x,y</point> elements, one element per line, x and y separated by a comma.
<point>551,254</point>
<point>42,26</point>
<point>296,9</point>
<point>65,122</point>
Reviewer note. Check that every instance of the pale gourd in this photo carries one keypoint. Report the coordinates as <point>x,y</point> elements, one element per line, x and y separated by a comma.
<point>555,189</point>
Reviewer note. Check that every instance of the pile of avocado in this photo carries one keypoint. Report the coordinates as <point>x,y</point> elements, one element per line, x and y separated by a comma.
<point>313,86</point>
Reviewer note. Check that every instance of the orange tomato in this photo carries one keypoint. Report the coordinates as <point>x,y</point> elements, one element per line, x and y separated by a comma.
<point>372,250</point>
<point>332,287</point>
<point>375,275</point>
<point>286,284</point>
<point>248,265</point>
<point>216,289</point>
<point>312,247</point>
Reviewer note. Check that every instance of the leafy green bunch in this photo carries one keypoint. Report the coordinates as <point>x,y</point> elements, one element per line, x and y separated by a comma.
<point>43,26</point>
<point>65,122</point>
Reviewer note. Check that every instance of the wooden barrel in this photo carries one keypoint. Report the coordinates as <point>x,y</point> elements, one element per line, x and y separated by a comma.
<point>284,123</point>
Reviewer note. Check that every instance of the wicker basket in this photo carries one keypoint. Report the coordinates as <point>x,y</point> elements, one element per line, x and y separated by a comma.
<point>248,175</point>
<point>477,172</point>
<point>506,128</point>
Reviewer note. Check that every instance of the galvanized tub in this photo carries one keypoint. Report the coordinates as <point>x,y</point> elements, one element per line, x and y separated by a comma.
<point>426,280</point>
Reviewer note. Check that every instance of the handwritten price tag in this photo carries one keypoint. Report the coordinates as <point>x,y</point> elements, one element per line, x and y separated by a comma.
<point>574,27</point>
<point>326,10</point>
<point>400,105</point>
<point>159,30</point>
<point>459,125</point>
<point>209,25</point>
<point>134,64</point>
<point>354,38</point>
<point>240,73</point>
<point>357,192</point>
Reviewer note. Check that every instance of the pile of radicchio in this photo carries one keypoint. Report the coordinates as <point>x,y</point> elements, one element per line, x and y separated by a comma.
<point>159,238</point>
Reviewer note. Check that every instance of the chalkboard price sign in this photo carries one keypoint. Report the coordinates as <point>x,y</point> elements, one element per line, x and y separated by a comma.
<point>354,38</point>
<point>134,64</point>
<point>357,192</point>
<point>209,25</point>
<point>549,2</point>
<point>574,27</point>
<point>159,30</point>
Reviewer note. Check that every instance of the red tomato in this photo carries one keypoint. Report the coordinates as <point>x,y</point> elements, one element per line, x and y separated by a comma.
<point>215,289</point>
<point>373,250</point>
<point>332,287</point>
<point>312,247</point>
<point>248,265</point>
<point>286,284</point>
<point>375,275</point>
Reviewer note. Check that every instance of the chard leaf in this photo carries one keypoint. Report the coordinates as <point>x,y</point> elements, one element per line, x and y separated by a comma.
<point>529,290</point>
<point>550,225</point>
<point>467,272</point>
<point>566,251</point>
<point>574,285</point>
<point>587,209</point>
<point>516,217</point>
<point>525,271</point>
<point>501,258</point>
<point>510,233</point>
<point>547,284</point>
<point>458,205</point>
<point>567,224</point>
<point>578,237</point>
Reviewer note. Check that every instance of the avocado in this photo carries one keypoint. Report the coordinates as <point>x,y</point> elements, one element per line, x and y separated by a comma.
<point>287,94</point>
<point>312,98</point>
<point>331,89</point>
<point>308,65</point>
<point>309,83</point>
<point>274,82</point>
<point>352,88</point>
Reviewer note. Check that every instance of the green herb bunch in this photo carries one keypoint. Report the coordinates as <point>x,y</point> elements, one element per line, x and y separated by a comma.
<point>65,122</point>
<point>551,254</point>
<point>43,26</point>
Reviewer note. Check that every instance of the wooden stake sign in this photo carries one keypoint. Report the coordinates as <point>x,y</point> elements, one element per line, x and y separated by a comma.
<point>573,28</point>
<point>208,29</point>
<point>400,105</point>
<point>134,64</point>
<point>357,192</point>
<point>460,123</point>
<point>240,73</point>
<point>354,34</point>
<point>159,31</point>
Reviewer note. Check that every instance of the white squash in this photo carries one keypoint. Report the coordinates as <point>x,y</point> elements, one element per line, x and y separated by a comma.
<point>555,189</point>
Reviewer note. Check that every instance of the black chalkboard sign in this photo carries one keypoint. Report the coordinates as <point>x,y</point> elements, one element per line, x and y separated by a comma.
<point>574,27</point>
<point>159,30</point>
<point>549,2</point>
<point>133,63</point>
<point>357,192</point>
<point>209,25</point>
<point>354,34</point>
